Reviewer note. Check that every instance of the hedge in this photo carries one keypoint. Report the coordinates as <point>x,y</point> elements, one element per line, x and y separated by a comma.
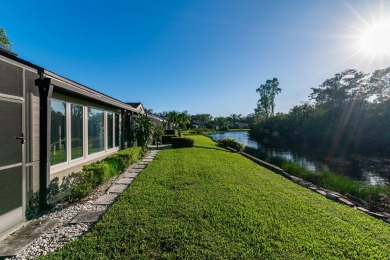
<point>170,132</point>
<point>232,143</point>
<point>181,142</point>
<point>81,184</point>
<point>167,139</point>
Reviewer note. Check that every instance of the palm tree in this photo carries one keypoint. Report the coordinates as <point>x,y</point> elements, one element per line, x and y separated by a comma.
<point>172,116</point>
<point>143,130</point>
<point>183,119</point>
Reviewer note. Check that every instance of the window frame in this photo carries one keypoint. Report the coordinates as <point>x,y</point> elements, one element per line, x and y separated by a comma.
<point>70,132</point>
<point>86,157</point>
<point>104,133</point>
<point>66,135</point>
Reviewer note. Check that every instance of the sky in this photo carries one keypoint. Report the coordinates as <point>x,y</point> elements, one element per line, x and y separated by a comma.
<point>203,56</point>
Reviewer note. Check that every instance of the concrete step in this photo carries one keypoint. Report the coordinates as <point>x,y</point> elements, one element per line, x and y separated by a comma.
<point>18,241</point>
<point>117,188</point>
<point>106,199</point>
<point>88,216</point>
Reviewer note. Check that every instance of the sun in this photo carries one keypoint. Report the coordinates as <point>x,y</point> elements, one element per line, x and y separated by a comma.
<point>374,40</point>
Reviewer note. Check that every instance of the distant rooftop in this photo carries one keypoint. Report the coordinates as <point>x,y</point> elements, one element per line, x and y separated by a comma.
<point>8,50</point>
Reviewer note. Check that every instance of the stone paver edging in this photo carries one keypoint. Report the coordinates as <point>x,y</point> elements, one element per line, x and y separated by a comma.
<point>69,221</point>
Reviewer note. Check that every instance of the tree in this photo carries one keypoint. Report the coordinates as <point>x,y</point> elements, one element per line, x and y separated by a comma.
<point>4,42</point>
<point>143,130</point>
<point>379,85</point>
<point>346,86</point>
<point>183,119</point>
<point>158,133</point>
<point>172,117</point>
<point>267,92</point>
<point>220,122</point>
<point>201,120</point>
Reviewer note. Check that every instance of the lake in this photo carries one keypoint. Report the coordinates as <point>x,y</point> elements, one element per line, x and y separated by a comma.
<point>372,170</point>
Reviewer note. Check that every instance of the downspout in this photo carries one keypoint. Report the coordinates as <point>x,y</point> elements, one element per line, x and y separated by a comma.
<point>45,93</point>
<point>123,130</point>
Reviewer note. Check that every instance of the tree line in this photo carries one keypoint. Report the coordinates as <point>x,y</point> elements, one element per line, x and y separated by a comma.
<point>206,121</point>
<point>348,112</point>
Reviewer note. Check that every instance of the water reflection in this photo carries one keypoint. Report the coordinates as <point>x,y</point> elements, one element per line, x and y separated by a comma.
<point>372,170</point>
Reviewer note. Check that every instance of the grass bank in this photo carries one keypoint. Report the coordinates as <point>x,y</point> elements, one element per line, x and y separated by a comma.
<point>377,195</point>
<point>207,203</point>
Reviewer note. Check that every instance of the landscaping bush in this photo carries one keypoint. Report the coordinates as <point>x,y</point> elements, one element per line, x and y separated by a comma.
<point>167,139</point>
<point>170,132</point>
<point>81,184</point>
<point>96,173</point>
<point>80,190</point>
<point>182,142</point>
<point>232,143</point>
<point>200,130</point>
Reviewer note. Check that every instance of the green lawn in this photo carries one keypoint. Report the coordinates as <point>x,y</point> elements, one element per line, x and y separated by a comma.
<point>207,203</point>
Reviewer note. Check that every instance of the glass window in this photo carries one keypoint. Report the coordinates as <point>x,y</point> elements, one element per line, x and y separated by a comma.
<point>117,132</point>
<point>95,130</point>
<point>58,132</point>
<point>110,130</point>
<point>76,131</point>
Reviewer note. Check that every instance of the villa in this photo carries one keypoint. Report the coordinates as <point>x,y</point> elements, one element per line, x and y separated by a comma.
<point>50,127</point>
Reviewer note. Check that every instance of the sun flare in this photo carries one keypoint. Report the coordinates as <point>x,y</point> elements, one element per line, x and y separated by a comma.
<point>374,41</point>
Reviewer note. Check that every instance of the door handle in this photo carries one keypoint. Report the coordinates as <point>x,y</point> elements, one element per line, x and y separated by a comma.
<point>21,138</point>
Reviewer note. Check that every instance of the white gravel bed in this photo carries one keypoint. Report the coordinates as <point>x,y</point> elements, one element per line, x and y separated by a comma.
<point>63,232</point>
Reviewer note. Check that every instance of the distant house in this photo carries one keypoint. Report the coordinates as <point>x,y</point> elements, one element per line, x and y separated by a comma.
<point>142,110</point>
<point>51,126</point>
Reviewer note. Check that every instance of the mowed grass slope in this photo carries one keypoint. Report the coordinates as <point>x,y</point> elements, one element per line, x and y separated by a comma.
<point>209,203</point>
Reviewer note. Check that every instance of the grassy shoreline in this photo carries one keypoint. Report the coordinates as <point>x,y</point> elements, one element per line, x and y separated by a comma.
<point>205,202</point>
<point>377,196</point>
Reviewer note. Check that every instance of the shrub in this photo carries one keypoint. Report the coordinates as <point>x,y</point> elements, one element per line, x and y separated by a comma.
<point>181,142</point>
<point>232,143</point>
<point>96,173</point>
<point>302,172</point>
<point>170,132</point>
<point>201,130</point>
<point>277,160</point>
<point>256,153</point>
<point>81,184</point>
<point>167,139</point>
<point>80,190</point>
<point>53,188</point>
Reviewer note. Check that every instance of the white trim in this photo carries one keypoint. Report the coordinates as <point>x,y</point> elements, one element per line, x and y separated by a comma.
<point>10,166</point>
<point>68,132</point>
<point>85,134</point>
<point>58,165</point>
<point>105,132</point>
<point>6,97</point>
<point>113,129</point>
<point>32,163</point>
<point>90,158</point>
<point>18,64</point>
